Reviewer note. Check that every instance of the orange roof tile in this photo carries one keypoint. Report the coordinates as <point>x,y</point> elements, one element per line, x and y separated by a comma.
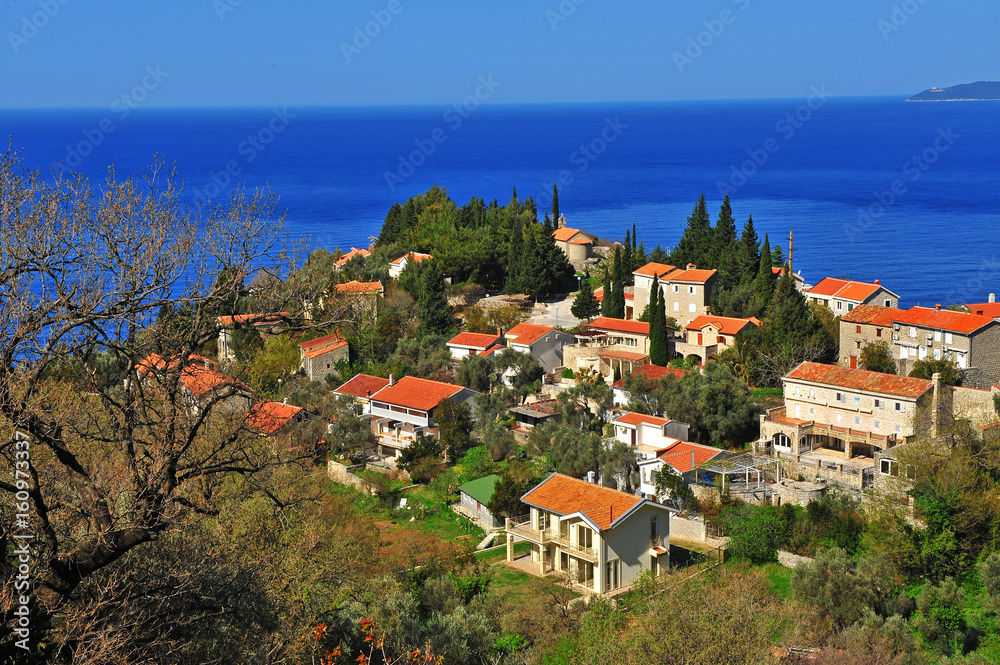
<point>692,275</point>
<point>354,286</point>
<point>362,385</point>
<point>873,315</point>
<point>624,355</point>
<point>653,269</point>
<point>256,319</point>
<point>325,344</point>
<point>415,393</point>
<point>726,325</point>
<point>632,418</point>
<point>859,379</point>
<point>990,309</point>
<point>845,289</point>
<point>679,455</point>
<point>581,241</point>
<point>199,376</point>
<point>565,234</point>
<point>945,319</point>
<point>474,340</point>
<point>415,257</point>
<point>528,333</point>
<point>620,325</point>
<point>271,416</point>
<point>491,349</point>
<point>355,252</point>
<point>564,495</point>
<point>652,373</point>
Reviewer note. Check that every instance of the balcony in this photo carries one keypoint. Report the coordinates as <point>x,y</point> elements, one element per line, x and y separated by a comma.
<point>521,526</point>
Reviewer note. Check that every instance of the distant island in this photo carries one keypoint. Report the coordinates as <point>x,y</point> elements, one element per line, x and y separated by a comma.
<point>967,92</point>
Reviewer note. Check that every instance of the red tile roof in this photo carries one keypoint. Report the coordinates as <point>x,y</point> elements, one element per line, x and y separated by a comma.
<point>990,309</point>
<point>564,495</point>
<point>726,325</point>
<point>624,355</point>
<point>415,257</point>
<point>620,325</point>
<point>692,275</point>
<point>565,233</point>
<point>256,319</point>
<point>325,344</point>
<point>581,241</point>
<point>199,377</point>
<point>845,289</point>
<point>873,315</point>
<point>859,379</point>
<point>415,393</point>
<point>491,349</point>
<point>474,340</point>
<point>354,286</point>
<point>654,269</point>
<point>362,385</point>
<point>945,319</point>
<point>270,417</point>
<point>355,252</point>
<point>652,373</point>
<point>632,418</point>
<point>679,455</point>
<point>528,333</point>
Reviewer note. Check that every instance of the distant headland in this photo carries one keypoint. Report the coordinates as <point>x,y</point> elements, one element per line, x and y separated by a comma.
<point>967,92</point>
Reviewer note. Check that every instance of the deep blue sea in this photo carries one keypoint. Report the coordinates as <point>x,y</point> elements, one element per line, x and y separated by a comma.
<point>874,188</point>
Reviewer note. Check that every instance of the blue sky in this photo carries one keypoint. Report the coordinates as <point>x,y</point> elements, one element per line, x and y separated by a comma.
<point>72,53</point>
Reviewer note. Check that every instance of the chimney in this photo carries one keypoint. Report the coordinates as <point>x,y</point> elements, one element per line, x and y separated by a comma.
<point>878,282</point>
<point>392,380</point>
<point>935,404</point>
<point>691,266</point>
<point>992,298</point>
<point>591,477</point>
<point>937,307</point>
<point>499,331</point>
<point>285,401</point>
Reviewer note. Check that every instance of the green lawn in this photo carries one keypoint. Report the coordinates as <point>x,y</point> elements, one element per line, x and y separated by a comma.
<point>768,393</point>
<point>516,584</point>
<point>780,579</point>
<point>499,554</point>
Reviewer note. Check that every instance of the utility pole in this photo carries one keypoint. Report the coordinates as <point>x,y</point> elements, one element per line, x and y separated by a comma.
<point>791,251</point>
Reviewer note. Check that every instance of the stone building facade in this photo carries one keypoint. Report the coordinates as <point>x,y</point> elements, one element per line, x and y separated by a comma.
<point>687,291</point>
<point>319,356</point>
<point>844,295</point>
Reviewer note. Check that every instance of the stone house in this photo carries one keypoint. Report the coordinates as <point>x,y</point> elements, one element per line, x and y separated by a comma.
<point>470,344</point>
<point>397,266</point>
<point>687,291</point>
<point>990,308</point>
<point>361,298</point>
<point>265,324</point>
<point>404,410</point>
<point>707,336</point>
<point>475,495</point>
<point>319,356</point>
<point>575,244</point>
<point>918,333</point>
<point>601,538</point>
<point>843,295</point>
<point>545,343</point>
<point>618,344</point>
<point>361,387</point>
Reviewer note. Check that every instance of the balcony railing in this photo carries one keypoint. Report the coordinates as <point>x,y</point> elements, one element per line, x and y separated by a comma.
<point>521,526</point>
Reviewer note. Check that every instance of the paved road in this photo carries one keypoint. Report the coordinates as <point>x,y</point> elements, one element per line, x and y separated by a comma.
<point>556,313</point>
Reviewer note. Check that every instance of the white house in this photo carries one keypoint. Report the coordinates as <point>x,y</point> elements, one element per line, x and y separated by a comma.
<point>602,538</point>
<point>361,387</point>
<point>682,458</point>
<point>649,434</point>
<point>470,344</point>
<point>397,266</point>
<point>404,410</point>
<point>545,343</point>
<point>843,295</point>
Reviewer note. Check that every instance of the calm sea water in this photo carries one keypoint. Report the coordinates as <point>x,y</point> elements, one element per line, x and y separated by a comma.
<point>873,188</point>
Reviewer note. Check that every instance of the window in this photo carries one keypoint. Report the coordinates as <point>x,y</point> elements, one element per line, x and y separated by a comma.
<point>782,441</point>
<point>857,420</point>
<point>937,354</point>
<point>850,307</point>
<point>887,467</point>
<point>812,393</point>
<point>900,407</point>
<point>879,404</point>
<point>888,303</point>
<point>960,359</point>
<point>677,307</point>
<point>840,305</point>
<point>653,531</point>
<point>857,329</point>
<point>947,338</point>
<point>692,290</point>
<point>584,537</point>
<point>812,411</point>
<point>328,365</point>
<point>913,331</point>
<point>897,428</point>
<point>878,332</point>
<point>720,340</point>
<point>798,390</point>
<point>937,335</point>
<point>859,345</point>
<point>677,289</point>
<point>840,418</point>
<point>878,424</point>
<point>841,397</point>
<point>692,308</point>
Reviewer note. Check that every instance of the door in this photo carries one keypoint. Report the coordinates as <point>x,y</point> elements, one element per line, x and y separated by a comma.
<point>699,339</point>
<point>854,362</point>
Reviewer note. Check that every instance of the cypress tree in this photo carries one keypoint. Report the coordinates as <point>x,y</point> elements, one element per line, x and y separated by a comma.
<point>633,238</point>
<point>584,306</point>
<point>628,261</point>
<point>695,245</point>
<point>617,287</point>
<point>659,350</point>
<point>726,247</point>
<point>763,286</point>
<point>555,202</point>
<point>433,312</point>
<point>390,228</point>
<point>640,257</point>
<point>515,256</point>
<point>748,256</point>
<point>606,300</point>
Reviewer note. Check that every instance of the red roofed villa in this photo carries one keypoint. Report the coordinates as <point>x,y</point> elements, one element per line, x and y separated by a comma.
<point>319,356</point>
<point>353,254</point>
<point>843,295</point>
<point>470,344</point>
<point>601,538</point>
<point>397,266</point>
<point>708,335</point>
<point>545,343</point>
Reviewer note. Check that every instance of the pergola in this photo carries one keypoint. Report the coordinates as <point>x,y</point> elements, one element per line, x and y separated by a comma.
<point>736,464</point>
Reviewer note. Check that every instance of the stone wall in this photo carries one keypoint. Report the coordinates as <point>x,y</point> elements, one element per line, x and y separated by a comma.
<point>319,367</point>
<point>798,493</point>
<point>789,560</point>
